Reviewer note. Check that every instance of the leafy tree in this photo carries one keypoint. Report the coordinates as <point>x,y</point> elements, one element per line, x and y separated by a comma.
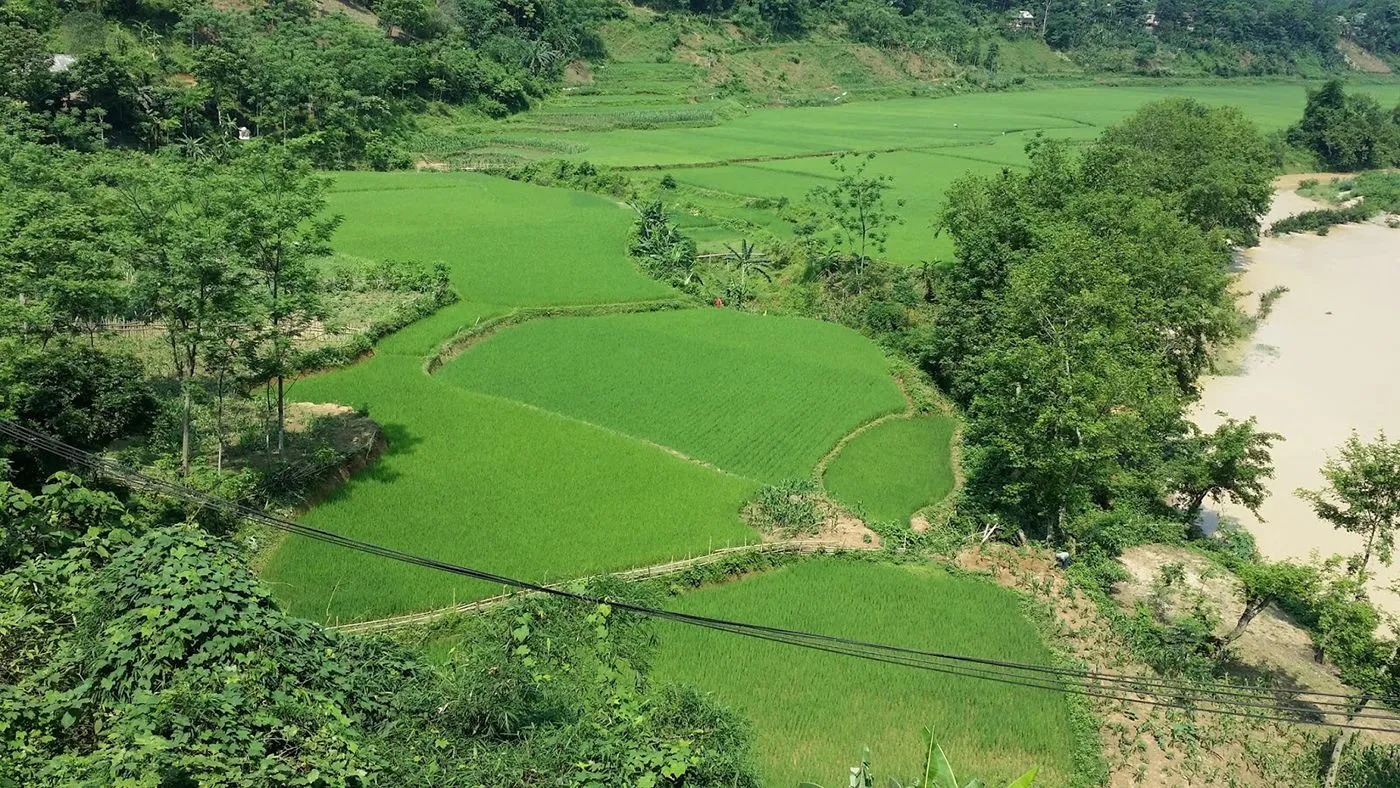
<point>1073,325</point>
<point>60,262</point>
<point>274,208</point>
<point>1232,462</point>
<point>1346,131</point>
<point>80,395</point>
<point>189,277</point>
<point>1210,162</point>
<point>856,208</point>
<point>1362,496</point>
<point>1263,583</point>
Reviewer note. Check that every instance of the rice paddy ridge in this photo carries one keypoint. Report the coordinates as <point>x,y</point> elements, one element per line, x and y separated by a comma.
<point>825,154</point>
<point>907,413</point>
<point>392,623</point>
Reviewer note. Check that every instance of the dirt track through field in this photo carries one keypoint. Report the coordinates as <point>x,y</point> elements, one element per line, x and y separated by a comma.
<point>1324,362</point>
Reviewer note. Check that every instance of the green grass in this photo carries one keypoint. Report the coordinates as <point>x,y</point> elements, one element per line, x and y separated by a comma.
<point>763,397</point>
<point>488,483</point>
<point>814,711</point>
<point>504,242</point>
<point>895,469</point>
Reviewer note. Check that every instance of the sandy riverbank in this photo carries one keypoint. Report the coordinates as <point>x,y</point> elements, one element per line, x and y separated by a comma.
<point>1325,361</point>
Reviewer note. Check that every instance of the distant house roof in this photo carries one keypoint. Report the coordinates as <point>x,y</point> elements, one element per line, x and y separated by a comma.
<point>61,63</point>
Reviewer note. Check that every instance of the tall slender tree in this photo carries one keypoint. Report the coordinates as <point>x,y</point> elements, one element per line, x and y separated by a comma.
<point>188,277</point>
<point>1362,496</point>
<point>276,210</point>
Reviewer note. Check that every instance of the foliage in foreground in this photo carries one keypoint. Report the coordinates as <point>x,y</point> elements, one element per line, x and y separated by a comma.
<point>137,653</point>
<point>937,772</point>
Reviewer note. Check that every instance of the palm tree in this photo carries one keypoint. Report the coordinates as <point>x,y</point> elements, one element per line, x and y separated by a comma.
<point>744,261</point>
<point>541,57</point>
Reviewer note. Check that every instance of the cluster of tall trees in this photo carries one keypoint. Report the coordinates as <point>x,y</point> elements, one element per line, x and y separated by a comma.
<point>1348,132</point>
<point>1227,37</point>
<point>1087,296</point>
<point>152,73</point>
<point>218,252</point>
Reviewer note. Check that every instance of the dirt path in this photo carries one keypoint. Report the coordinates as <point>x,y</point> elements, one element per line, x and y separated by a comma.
<point>1322,364</point>
<point>640,573</point>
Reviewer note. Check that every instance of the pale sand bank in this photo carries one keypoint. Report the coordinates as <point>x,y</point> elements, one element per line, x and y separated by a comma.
<point>1326,360</point>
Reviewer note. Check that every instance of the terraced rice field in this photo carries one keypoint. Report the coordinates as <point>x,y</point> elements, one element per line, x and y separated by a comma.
<point>895,469</point>
<point>473,478</point>
<point>485,482</point>
<point>762,397</point>
<point>721,165</point>
<point>814,711</point>
<point>504,243</point>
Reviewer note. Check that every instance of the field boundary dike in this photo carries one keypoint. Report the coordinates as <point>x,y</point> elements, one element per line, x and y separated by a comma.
<point>641,573</point>
<point>458,343</point>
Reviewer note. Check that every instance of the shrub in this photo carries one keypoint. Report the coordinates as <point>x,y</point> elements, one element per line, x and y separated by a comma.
<point>1322,219</point>
<point>792,507</point>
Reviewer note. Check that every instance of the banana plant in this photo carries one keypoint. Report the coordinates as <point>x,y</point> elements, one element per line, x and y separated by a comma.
<point>937,772</point>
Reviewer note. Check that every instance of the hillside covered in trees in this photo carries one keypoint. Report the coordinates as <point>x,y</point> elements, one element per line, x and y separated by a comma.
<point>347,81</point>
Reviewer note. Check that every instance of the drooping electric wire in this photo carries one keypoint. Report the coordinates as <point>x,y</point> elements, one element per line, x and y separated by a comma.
<point>1217,697</point>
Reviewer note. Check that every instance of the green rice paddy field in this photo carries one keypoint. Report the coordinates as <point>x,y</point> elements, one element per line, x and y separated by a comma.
<point>761,397</point>
<point>558,448</point>
<point>925,144</point>
<point>472,470</point>
<point>813,711</point>
<point>893,470</point>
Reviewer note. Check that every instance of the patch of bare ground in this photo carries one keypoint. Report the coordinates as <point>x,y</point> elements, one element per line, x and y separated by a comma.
<point>357,439</point>
<point>1273,646</point>
<point>355,11</point>
<point>877,63</point>
<point>1146,745</point>
<point>924,67</point>
<point>1361,60</point>
<point>578,72</point>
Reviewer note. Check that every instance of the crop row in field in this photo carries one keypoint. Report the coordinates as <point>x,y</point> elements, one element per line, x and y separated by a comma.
<point>763,397</point>
<point>813,711</point>
<point>893,470</point>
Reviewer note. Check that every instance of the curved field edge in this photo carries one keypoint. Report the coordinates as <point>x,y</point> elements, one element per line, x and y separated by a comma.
<point>814,711</point>
<point>760,396</point>
<point>896,468</point>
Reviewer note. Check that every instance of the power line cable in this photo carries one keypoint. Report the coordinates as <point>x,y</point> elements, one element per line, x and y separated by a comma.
<point>1185,695</point>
